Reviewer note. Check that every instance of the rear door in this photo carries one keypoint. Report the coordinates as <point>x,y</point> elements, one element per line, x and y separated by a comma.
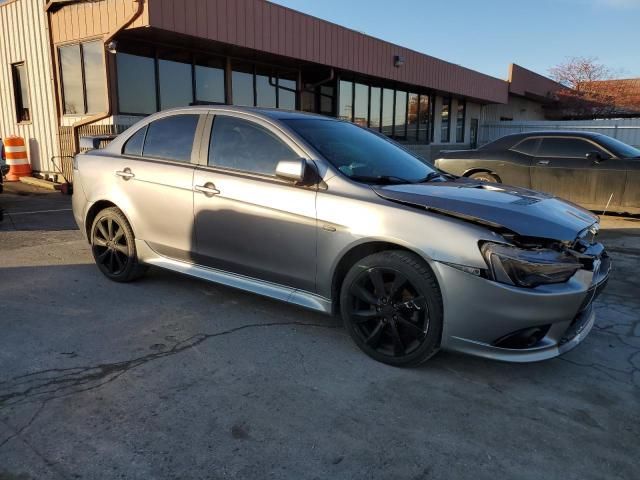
<point>247,220</point>
<point>561,168</point>
<point>155,177</point>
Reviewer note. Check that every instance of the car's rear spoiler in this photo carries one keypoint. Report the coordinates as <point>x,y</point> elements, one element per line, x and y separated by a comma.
<point>93,142</point>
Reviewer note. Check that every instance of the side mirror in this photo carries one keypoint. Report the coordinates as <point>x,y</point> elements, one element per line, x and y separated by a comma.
<point>293,170</point>
<point>595,157</point>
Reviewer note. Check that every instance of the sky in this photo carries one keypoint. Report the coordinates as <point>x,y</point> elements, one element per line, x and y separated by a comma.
<point>488,35</point>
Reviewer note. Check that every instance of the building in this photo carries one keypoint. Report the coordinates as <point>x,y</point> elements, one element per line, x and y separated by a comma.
<point>74,67</point>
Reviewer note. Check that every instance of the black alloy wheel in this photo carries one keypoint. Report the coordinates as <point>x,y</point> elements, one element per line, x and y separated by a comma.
<point>113,246</point>
<point>391,307</point>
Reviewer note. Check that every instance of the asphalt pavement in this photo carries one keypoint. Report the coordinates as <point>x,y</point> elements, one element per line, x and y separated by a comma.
<point>172,377</point>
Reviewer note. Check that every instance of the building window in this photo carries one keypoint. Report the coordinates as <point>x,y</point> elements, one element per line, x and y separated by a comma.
<point>287,91</point>
<point>460,120</point>
<point>209,77</point>
<point>361,105</point>
<point>266,88</point>
<point>400,126</point>
<point>424,119</point>
<point>263,87</point>
<point>445,124</point>
<point>374,108</point>
<point>175,81</point>
<point>21,92</point>
<point>83,78</point>
<point>136,84</point>
<point>387,111</point>
<point>412,116</point>
<point>345,108</point>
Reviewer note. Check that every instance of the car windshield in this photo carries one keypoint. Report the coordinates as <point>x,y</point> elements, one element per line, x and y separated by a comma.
<point>621,149</point>
<point>361,154</point>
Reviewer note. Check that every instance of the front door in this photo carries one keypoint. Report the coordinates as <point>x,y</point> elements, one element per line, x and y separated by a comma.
<point>247,220</point>
<point>156,182</point>
<point>561,168</point>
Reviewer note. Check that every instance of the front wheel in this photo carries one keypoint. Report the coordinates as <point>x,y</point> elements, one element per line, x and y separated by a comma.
<point>113,246</point>
<point>392,308</point>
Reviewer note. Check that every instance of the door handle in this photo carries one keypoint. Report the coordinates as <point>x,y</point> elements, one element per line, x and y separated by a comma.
<point>209,189</point>
<point>543,162</point>
<point>126,174</point>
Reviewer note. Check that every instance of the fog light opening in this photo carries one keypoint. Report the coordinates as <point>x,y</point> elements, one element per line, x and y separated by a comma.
<point>521,339</point>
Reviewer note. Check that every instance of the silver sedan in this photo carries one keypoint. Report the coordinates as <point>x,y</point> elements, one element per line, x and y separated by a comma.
<point>327,215</point>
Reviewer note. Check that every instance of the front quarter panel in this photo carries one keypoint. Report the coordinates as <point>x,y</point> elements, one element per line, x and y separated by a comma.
<point>347,221</point>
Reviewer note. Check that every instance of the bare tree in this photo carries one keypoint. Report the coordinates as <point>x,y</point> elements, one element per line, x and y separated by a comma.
<point>592,90</point>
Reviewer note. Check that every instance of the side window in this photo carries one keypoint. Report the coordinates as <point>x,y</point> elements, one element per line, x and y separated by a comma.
<point>171,138</point>
<point>565,147</point>
<point>242,145</point>
<point>527,146</point>
<point>135,143</point>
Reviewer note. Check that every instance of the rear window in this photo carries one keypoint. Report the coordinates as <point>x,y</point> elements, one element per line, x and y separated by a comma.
<point>528,146</point>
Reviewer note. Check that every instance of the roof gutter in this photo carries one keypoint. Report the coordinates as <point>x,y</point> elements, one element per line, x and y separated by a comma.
<point>75,128</point>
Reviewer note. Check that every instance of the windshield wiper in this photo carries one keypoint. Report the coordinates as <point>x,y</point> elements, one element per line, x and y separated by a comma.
<point>380,179</point>
<point>432,176</point>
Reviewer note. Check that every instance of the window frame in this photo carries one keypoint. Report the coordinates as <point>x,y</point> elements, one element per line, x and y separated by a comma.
<point>83,76</point>
<point>538,141</point>
<point>18,99</point>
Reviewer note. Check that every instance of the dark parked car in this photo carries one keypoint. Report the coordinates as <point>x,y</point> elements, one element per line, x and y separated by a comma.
<point>590,169</point>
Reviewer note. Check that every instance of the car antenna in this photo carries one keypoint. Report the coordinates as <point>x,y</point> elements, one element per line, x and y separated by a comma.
<point>603,212</point>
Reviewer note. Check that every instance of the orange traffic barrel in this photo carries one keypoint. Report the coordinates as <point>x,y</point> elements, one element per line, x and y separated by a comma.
<point>16,153</point>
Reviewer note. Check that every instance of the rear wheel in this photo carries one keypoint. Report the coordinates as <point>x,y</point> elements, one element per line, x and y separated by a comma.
<point>485,177</point>
<point>113,246</point>
<point>392,308</point>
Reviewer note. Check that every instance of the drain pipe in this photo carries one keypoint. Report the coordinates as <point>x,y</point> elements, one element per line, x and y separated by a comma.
<point>106,114</point>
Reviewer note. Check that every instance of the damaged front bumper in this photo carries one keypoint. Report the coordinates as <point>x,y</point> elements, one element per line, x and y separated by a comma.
<point>503,322</point>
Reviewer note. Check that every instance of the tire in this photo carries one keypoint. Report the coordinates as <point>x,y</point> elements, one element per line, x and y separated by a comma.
<point>485,177</point>
<point>113,246</point>
<point>391,306</point>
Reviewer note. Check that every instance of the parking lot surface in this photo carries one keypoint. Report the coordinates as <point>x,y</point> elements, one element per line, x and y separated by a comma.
<point>172,377</point>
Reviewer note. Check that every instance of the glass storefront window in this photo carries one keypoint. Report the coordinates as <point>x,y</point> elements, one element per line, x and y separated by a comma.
<point>242,87</point>
<point>400,129</point>
<point>345,109</point>
<point>460,120</point>
<point>136,84</point>
<point>424,119</point>
<point>374,118</point>
<point>361,105</point>
<point>287,91</point>
<point>176,86</point>
<point>445,124</point>
<point>266,91</point>
<point>387,111</point>
<point>209,83</point>
<point>326,99</point>
<point>412,116</point>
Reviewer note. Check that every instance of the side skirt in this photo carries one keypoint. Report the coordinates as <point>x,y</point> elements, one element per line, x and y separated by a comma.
<point>268,289</point>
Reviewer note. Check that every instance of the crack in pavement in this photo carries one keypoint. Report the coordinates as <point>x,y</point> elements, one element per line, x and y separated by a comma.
<point>54,383</point>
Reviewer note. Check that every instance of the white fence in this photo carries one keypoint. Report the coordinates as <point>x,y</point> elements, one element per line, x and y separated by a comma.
<point>626,130</point>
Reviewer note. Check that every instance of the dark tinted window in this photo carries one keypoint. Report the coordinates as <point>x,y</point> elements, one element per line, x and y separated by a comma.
<point>528,146</point>
<point>171,138</point>
<point>136,83</point>
<point>209,84</point>
<point>358,152</point>
<point>246,146</point>
<point>565,147</point>
<point>21,92</point>
<point>134,144</point>
<point>176,86</point>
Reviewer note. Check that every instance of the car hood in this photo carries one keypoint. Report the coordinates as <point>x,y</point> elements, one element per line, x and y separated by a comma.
<point>525,212</point>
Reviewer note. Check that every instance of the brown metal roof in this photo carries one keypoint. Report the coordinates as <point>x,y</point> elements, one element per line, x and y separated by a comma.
<point>526,83</point>
<point>266,27</point>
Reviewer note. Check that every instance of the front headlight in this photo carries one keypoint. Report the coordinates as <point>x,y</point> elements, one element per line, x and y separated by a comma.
<point>528,268</point>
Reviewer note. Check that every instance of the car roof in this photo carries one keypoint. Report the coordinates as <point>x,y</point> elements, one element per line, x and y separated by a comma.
<point>510,140</point>
<point>270,113</point>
